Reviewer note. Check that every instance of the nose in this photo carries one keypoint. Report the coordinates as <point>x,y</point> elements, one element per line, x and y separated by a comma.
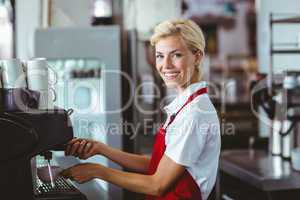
<point>167,64</point>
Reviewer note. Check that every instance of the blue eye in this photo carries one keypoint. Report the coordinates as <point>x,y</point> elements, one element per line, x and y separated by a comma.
<point>177,55</point>
<point>159,56</point>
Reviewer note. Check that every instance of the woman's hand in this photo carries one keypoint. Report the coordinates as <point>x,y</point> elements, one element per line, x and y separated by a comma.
<point>82,173</point>
<point>83,148</point>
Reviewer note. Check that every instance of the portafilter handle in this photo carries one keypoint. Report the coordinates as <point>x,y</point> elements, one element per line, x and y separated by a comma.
<point>60,147</point>
<point>47,155</point>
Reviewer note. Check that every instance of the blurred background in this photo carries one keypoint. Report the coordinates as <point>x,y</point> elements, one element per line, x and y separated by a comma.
<point>248,41</point>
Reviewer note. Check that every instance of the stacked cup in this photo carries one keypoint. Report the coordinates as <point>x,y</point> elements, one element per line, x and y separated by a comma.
<point>14,94</point>
<point>38,79</point>
<point>13,75</point>
<point>295,159</point>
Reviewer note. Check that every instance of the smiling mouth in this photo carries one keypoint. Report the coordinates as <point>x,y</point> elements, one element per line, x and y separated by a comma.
<point>170,75</point>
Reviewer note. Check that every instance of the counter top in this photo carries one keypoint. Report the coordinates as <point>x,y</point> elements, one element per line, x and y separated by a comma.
<point>260,169</point>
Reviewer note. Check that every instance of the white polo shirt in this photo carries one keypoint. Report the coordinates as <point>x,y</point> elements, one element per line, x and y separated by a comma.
<point>193,138</point>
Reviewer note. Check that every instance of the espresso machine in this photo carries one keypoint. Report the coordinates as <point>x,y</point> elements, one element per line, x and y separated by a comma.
<point>281,103</point>
<point>24,135</point>
<point>29,130</point>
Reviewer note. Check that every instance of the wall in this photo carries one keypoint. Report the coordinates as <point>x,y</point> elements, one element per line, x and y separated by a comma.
<point>6,32</point>
<point>71,12</point>
<point>28,18</point>
<point>283,33</point>
<point>235,41</point>
<point>143,15</point>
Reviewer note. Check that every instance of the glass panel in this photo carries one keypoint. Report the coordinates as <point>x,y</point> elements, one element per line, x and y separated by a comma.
<point>6,30</point>
<point>82,98</point>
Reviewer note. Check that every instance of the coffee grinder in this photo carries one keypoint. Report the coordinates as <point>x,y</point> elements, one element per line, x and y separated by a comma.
<point>290,111</point>
<point>281,103</point>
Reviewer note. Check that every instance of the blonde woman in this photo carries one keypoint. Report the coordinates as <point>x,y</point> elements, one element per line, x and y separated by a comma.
<point>185,155</point>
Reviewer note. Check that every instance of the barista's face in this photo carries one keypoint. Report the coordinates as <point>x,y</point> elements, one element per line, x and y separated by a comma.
<point>176,63</point>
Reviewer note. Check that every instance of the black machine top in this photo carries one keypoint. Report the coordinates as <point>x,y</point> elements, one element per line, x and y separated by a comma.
<point>28,134</point>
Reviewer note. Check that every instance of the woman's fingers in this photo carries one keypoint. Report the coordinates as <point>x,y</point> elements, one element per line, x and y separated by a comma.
<point>80,173</point>
<point>87,151</point>
<point>88,147</point>
<point>68,149</point>
<point>82,146</point>
<point>74,140</point>
<point>74,148</point>
<point>70,144</point>
<point>65,173</point>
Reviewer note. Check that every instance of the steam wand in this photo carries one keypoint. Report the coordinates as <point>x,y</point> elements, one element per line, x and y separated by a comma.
<point>48,156</point>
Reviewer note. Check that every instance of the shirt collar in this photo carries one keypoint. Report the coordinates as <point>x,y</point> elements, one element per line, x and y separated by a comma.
<point>180,100</point>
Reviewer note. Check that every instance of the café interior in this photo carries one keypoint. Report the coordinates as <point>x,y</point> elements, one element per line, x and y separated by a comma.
<point>103,81</point>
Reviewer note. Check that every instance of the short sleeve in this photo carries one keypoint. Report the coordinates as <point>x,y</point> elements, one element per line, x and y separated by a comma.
<point>185,141</point>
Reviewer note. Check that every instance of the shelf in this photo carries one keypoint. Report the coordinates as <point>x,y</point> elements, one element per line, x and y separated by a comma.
<point>215,20</point>
<point>287,44</point>
<point>286,20</point>
<point>286,51</point>
<point>285,48</point>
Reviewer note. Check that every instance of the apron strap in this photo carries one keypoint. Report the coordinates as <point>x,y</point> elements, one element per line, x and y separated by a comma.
<point>191,98</point>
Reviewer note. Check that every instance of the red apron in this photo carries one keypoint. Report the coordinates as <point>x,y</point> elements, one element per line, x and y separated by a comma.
<point>186,187</point>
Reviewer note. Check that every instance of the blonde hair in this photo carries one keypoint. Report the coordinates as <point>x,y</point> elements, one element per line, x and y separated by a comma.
<point>188,30</point>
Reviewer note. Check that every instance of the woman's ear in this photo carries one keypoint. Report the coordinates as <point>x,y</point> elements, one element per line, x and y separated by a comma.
<point>198,57</point>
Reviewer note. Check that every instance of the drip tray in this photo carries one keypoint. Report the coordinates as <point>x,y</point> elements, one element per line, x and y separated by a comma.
<point>63,190</point>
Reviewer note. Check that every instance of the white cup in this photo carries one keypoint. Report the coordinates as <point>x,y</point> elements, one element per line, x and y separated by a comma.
<point>12,73</point>
<point>289,82</point>
<point>298,80</point>
<point>47,99</point>
<point>295,158</point>
<point>37,71</point>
